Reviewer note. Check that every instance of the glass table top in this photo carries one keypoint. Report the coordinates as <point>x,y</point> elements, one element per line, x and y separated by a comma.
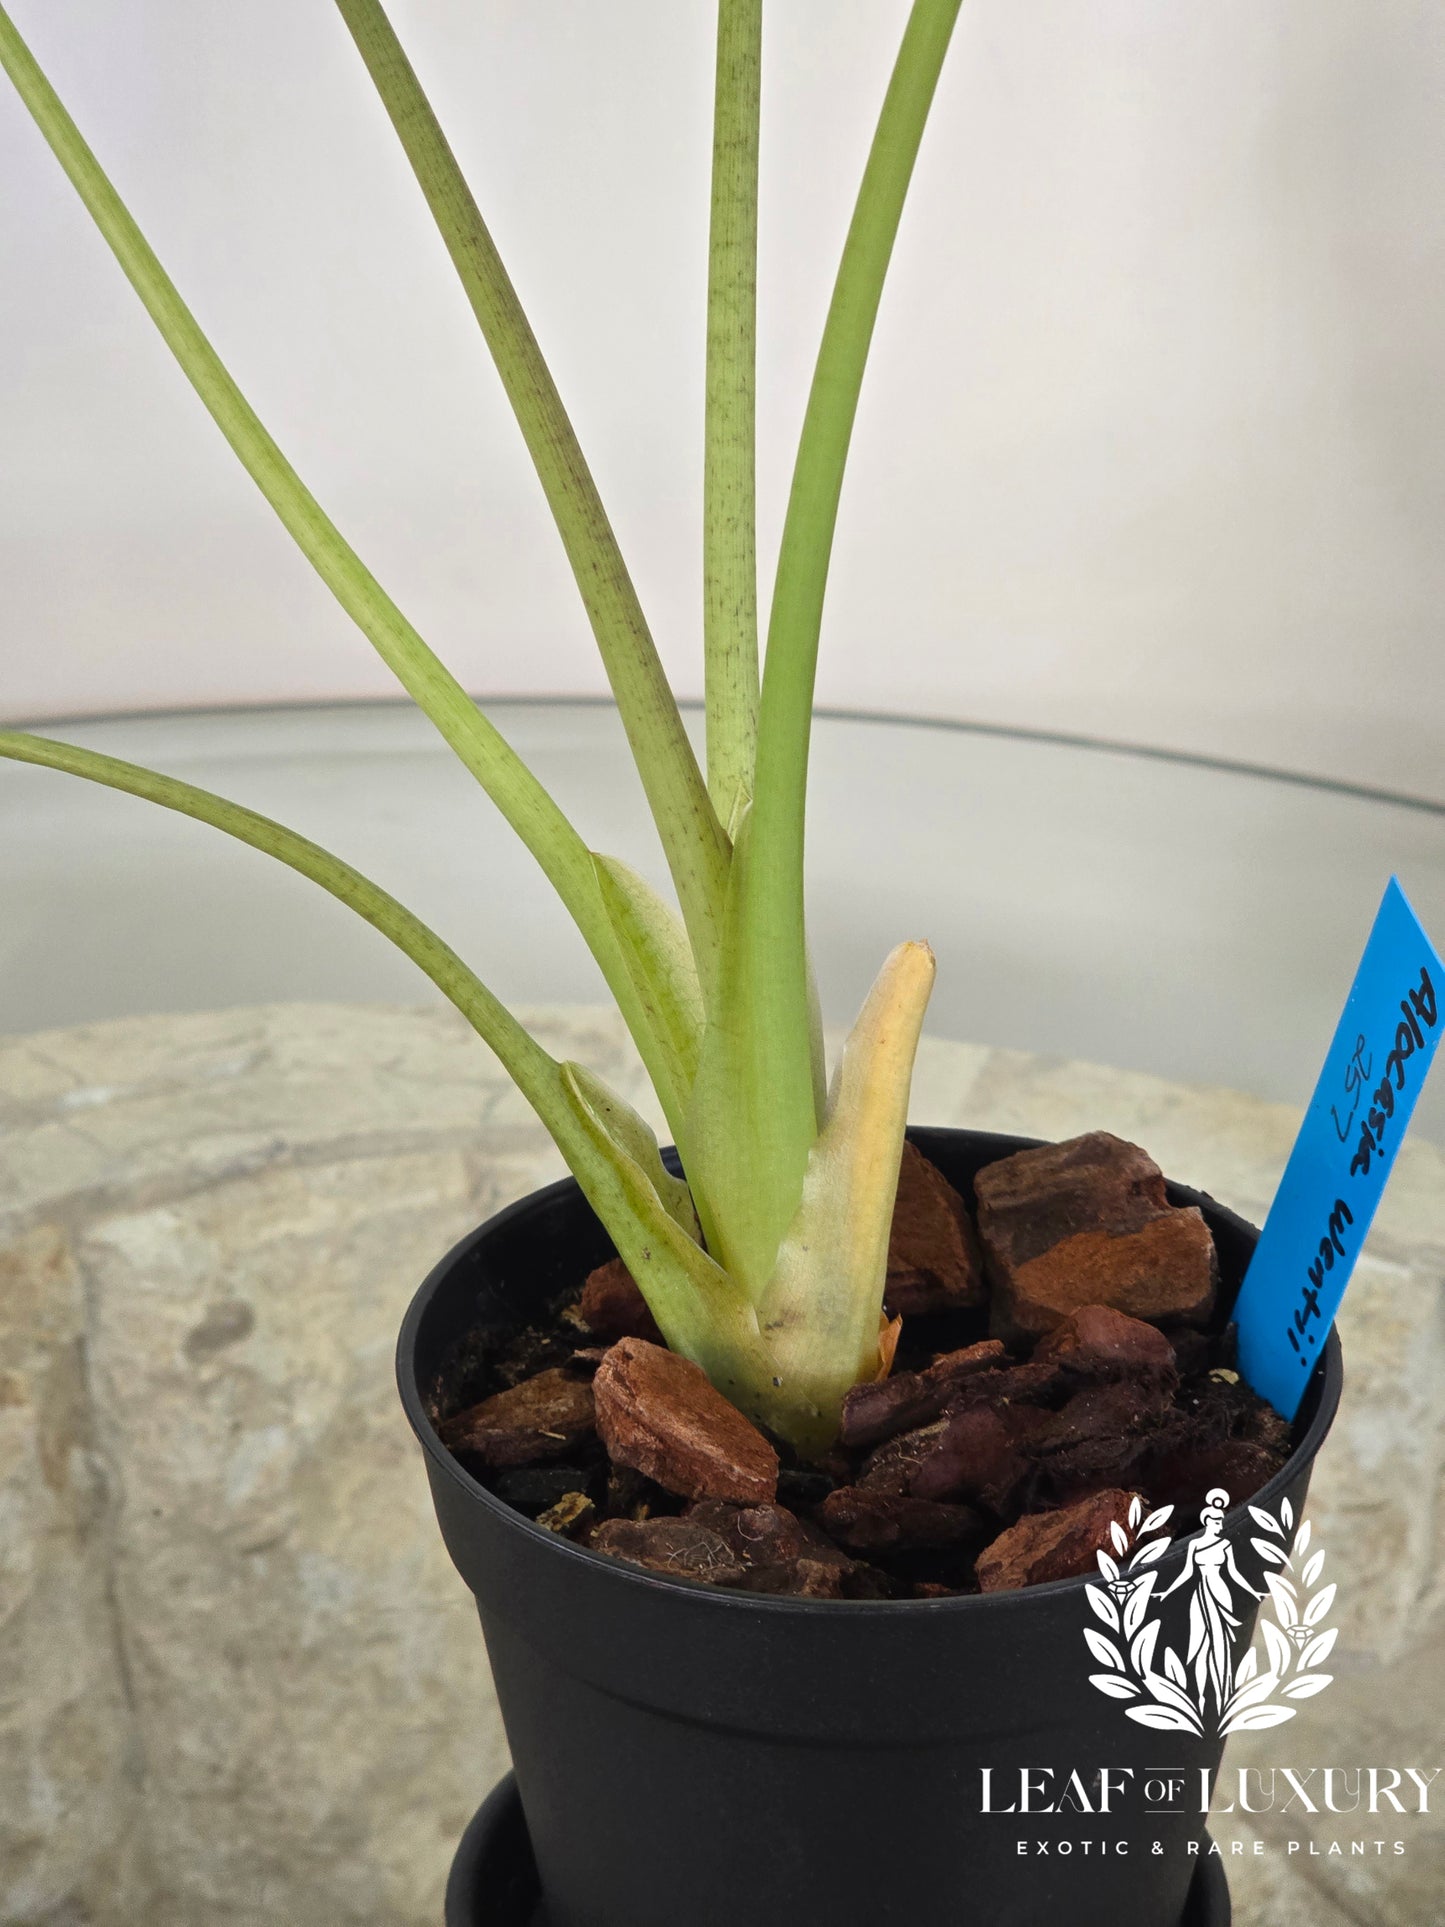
<point>1195,921</point>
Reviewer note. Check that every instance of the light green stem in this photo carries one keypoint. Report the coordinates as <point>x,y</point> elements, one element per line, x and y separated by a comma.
<point>729,543</point>
<point>705,1316</point>
<point>772,938</point>
<point>562,854</point>
<point>692,836</point>
<point>535,1072</point>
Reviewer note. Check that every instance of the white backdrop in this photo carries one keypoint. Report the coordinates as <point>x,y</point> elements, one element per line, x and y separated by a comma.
<point>1152,446</point>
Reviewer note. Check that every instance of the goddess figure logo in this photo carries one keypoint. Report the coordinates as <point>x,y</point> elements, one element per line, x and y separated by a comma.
<point>1201,1689</point>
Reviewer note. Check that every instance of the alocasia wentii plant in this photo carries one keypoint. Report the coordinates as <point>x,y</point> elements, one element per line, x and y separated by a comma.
<point>767,1264</point>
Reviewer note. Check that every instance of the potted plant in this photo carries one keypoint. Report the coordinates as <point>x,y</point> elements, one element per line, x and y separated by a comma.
<point>813,1737</point>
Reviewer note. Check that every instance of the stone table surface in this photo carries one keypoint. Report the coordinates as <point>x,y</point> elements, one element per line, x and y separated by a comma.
<point>239,1681</point>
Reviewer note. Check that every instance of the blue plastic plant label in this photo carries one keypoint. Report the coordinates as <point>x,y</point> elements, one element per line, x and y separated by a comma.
<point>1342,1157</point>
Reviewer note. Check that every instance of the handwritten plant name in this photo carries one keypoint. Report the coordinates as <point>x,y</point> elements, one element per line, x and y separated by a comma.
<point>1418,1008</point>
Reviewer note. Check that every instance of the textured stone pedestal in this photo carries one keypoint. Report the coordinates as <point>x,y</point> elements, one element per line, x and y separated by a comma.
<point>239,1682</point>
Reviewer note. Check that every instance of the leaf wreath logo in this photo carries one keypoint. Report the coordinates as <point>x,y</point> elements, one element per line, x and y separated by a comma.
<point>1202,1689</point>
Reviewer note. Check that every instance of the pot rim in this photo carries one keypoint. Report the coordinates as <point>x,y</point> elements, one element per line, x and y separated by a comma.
<point>1328,1374</point>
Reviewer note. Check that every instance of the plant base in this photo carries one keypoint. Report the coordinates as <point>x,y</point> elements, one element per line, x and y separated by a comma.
<point>633,1702</point>
<point>493,1881</point>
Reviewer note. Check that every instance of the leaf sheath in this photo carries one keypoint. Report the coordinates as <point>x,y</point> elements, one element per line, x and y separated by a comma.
<point>821,1310</point>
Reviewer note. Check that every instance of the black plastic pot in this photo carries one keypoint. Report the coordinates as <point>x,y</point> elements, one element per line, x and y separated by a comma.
<point>690,1755</point>
<point>494,1883</point>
